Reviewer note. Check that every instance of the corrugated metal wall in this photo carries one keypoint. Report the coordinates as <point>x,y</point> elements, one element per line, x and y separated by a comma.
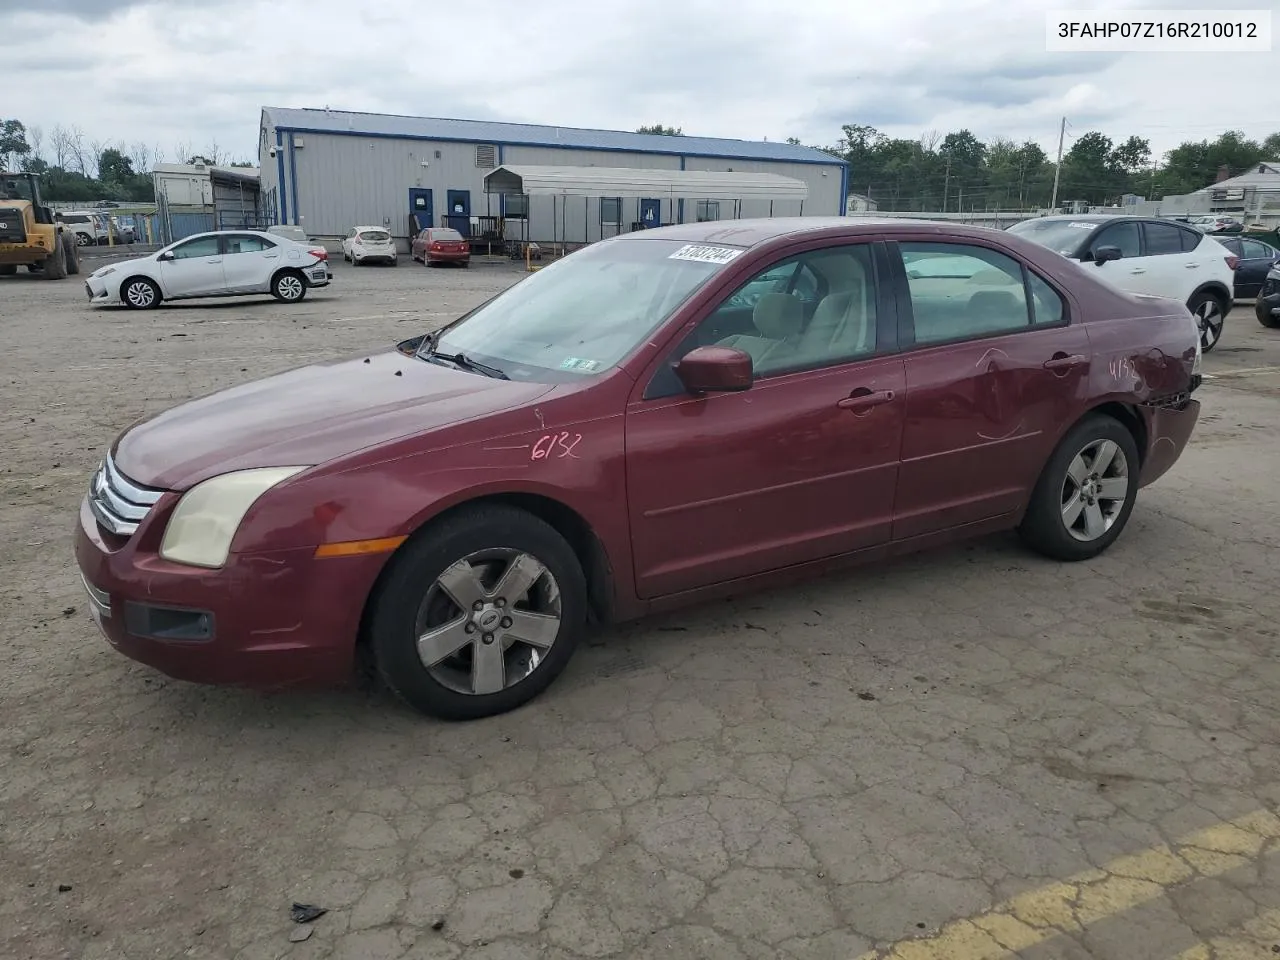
<point>341,181</point>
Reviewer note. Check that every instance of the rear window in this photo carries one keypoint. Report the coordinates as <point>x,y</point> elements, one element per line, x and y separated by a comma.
<point>375,235</point>
<point>445,234</point>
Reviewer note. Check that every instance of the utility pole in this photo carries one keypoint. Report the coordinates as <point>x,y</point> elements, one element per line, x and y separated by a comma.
<point>946,186</point>
<point>1057,170</point>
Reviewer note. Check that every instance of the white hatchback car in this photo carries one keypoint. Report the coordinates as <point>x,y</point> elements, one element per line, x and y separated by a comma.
<point>1147,255</point>
<point>228,263</point>
<point>368,244</point>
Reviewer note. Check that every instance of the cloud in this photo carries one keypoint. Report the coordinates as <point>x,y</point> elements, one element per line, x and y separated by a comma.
<point>195,71</point>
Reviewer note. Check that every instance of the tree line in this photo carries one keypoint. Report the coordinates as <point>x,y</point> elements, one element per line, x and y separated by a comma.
<point>74,167</point>
<point>959,172</point>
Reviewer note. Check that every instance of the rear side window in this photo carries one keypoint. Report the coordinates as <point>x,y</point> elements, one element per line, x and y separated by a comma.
<point>1253,250</point>
<point>1190,239</point>
<point>1046,305</point>
<point>1162,238</point>
<point>962,292</point>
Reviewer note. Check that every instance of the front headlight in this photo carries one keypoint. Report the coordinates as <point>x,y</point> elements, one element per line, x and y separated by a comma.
<point>207,517</point>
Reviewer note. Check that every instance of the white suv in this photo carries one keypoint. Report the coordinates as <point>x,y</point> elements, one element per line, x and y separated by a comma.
<point>89,227</point>
<point>1147,255</point>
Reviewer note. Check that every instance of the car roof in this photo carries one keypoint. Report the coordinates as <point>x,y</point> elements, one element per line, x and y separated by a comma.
<point>370,226</point>
<point>754,232</point>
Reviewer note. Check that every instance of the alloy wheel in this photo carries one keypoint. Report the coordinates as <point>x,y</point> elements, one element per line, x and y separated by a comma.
<point>140,294</point>
<point>488,621</point>
<point>290,287</point>
<point>1095,490</point>
<point>1210,320</point>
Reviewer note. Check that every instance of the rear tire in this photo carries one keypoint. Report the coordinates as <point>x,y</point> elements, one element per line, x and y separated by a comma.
<point>482,546</point>
<point>1265,316</point>
<point>288,286</point>
<point>1210,312</point>
<point>140,293</point>
<point>55,267</point>
<point>1080,506</point>
<point>72,255</point>
<point>8,269</point>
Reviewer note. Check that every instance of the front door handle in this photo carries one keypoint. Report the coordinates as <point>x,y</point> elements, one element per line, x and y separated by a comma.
<point>1063,362</point>
<point>864,399</point>
<point>214,260</point>
<point>270,256</point>
<point>1192,266</point>
<point>1136,270</point>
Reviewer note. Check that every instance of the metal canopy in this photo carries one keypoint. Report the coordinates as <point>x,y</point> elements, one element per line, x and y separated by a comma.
<point>648,184</point>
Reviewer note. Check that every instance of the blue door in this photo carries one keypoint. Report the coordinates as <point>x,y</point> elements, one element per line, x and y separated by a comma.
<point>650,214</point>
<point>459,215</point>
<point>421,209</point>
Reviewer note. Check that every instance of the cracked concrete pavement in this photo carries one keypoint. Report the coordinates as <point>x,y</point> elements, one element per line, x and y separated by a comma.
<point>973,753</point>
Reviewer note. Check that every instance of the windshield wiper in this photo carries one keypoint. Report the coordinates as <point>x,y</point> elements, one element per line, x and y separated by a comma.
<point>427,351</point>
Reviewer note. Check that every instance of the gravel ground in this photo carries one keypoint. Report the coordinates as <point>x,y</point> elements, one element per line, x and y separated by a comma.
<point>975,749</point>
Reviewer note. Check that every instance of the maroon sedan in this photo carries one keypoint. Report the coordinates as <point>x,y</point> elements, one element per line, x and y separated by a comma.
<point>660,418</point>
<point>437,245</point>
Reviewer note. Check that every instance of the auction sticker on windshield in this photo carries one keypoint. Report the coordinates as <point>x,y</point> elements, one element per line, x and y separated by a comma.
<point>704,253</point>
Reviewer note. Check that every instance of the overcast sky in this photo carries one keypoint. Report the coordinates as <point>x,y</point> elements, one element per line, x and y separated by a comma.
<point>169,72</point>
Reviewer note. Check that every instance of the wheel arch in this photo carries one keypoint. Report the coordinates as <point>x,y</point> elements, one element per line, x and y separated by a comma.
<point>287,268</point>
<point>1218,289</point>
<point>1130,416</point>
<point>160,294</point>
<point>569,523</point>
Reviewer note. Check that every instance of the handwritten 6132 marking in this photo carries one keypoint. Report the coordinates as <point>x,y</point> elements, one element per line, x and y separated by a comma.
<point>556,445</point>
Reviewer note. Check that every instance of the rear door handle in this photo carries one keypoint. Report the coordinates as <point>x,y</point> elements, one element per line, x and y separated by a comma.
<point>865,399</point>
<point>1138,270</point>
<point>1063,362</point>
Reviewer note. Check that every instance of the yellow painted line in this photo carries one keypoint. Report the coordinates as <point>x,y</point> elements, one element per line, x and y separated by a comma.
<point>1253,940</point>
<point>1033,917</point>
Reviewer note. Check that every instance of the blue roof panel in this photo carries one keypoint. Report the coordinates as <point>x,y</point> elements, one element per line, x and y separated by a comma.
<point>528,134</point>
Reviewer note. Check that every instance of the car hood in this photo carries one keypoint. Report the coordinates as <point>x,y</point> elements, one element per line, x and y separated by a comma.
<point>129,264</point>
<point>309,416</point>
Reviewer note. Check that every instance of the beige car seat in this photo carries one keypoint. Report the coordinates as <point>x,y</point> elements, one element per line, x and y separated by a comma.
<point>777,318</point>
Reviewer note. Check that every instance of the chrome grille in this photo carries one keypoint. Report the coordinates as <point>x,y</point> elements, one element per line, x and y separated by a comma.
<point>118,503</point>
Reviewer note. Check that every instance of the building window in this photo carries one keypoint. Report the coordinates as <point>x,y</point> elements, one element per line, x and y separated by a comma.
<point>486,156</point>
<point>611,210</point>
<point>516,206</point>
<point>708,210</point>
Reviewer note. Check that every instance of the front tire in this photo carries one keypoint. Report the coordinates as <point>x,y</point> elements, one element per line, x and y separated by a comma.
<point>1211,315</point>
<point>55,266</point>
<point>1086,492</point>
<point>72,255</point>
<point>139,293</point>
<point>288,286</point>
<point>1264,314</point>
<point>478,614</point>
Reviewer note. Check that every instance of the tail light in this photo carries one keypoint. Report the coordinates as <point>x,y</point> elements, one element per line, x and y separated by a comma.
<point>320,253</point>
<point>1232,262</point>
<point>437,245</point>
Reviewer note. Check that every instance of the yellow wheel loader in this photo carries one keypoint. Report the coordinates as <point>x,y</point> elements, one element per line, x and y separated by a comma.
<point>29,234</point>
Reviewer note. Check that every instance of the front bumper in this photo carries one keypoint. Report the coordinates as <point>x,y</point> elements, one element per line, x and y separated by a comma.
<point>98,292</point>
<point>266,620</point>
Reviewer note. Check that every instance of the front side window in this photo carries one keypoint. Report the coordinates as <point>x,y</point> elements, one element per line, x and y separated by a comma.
<point>1122,235</point>
<point>199,247</point>
<point>783,331</point>
<point>585,313</point>
<point>963,292</point>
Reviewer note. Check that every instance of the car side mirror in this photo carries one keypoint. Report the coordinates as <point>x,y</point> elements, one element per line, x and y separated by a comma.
<point>1103,254</point>
<point>715,370</point>
<point>167,255</point>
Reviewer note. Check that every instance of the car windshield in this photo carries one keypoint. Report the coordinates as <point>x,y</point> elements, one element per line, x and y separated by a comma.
<point>582,315</point>
<point>375,235</point>
<point>1061,236</point>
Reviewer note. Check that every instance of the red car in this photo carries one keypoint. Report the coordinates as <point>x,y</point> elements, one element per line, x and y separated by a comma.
<point>441,245</point>
<point>662,417</point>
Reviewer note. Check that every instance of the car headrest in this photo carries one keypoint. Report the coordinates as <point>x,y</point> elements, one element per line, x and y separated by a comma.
<point>778,316</point>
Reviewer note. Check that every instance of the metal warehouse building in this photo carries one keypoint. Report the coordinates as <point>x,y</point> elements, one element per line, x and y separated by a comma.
<point>328,171</point>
